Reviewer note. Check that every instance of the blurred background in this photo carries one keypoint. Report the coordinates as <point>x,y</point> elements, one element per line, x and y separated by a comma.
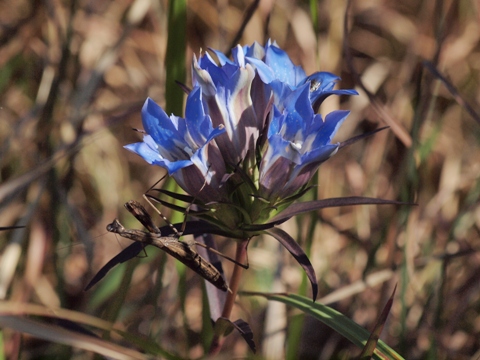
<point>73,78</point>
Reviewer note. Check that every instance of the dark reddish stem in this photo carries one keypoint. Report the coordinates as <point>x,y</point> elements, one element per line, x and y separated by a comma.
<point>240,256</point>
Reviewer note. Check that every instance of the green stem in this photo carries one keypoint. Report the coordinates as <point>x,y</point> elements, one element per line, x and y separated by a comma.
<point>240,256</point>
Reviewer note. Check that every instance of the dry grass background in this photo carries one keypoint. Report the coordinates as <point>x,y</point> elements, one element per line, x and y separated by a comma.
<point>73,77</point>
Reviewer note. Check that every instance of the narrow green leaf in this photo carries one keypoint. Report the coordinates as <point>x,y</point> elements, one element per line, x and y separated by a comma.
<point>314,14</point>
<point>334,319</point>
<point>294,337</point>
<point>175,57</point>
<point>2,347</point>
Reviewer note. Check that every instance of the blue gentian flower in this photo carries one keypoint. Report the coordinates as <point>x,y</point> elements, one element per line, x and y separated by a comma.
<point>184,147</point>
<point>276,69</point>
<point>227,99</point>
<point>298,142</point>
<point>251,137</point>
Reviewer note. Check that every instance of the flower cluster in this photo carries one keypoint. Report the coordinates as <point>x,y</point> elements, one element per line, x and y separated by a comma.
<point>251,138</point>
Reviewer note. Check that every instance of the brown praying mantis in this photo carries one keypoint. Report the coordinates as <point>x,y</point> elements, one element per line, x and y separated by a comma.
<point>181,250</point>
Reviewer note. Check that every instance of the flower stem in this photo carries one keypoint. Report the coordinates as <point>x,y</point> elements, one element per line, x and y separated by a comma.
<point>240,256</point>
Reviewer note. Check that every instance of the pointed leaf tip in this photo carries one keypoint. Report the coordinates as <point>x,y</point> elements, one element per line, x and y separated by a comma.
<point>246,331</point>
<point>293,248</point>
<point>126,254</point>
<point>374,337</point>
<point>224,326</point>
<point>361,137</point>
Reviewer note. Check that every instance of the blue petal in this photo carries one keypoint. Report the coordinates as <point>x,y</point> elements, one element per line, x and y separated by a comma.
<point>283,148</point>
<point>298,113</point>
<point>319,154</point>
<point>321,87</point>
<point>206,62</point>
<point>152,115</point>
<point>283,67</point>
<point>256,51</point>
<point>264,71</point>
<point>173,166</point>
<point>143,149</point>
<point>150,155</point>
<point>199,125</point>
<point>158,125</point>
<point>222,59</point>
<point>321,81</point>
<point>332,123</point>
<point>195,117</point>
<point>276,122</point>
<point>238,56</point>
<point>219,74</point>
<point>217,131</point>
<point>320,97</point>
